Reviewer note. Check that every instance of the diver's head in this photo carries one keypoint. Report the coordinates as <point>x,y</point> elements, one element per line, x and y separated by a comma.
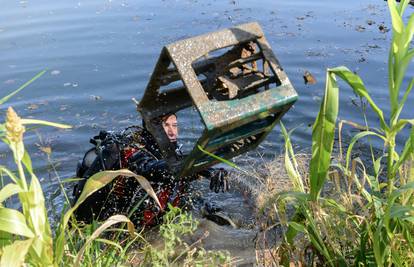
<point>170,125</point>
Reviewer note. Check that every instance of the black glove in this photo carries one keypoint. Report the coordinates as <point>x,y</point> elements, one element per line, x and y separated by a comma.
<point>218,181</point>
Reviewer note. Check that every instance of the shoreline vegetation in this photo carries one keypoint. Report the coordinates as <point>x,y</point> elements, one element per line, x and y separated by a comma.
<point>333,210</point>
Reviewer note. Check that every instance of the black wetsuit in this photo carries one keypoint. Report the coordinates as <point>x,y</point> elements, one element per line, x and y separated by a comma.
<point>124,194</point>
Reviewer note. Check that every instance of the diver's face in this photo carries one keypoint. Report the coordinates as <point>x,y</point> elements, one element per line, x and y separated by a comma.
<point>171,127</point>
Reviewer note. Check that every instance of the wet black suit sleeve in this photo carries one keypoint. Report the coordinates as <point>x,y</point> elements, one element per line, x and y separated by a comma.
<point>155,170</point>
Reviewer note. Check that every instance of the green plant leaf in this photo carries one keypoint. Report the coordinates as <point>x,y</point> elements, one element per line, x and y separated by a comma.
<point>377,166</point>
<point>14,254</point>
<point>402,6</point>
<point>403,100</point>
<point>46,123</point>
<point>27,162</point>
<point>8,191</point>
<point>323,136</point>
<point>93,184</point>
<point>36,214</point>
<point>225,161</point>
<point>290,165</point>
<point>355,139</point>
<point>358,86</point>
<point>401,212</point>
<point>14,222</point>
<point>407,151</point>
<point>298,227</point>
<point>4,99</point>
<point>108,223</point>
<point>397,22</point>
<point>10,174</point>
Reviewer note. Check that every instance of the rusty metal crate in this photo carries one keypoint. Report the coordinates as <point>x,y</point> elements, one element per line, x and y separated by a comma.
<point>234,81</point>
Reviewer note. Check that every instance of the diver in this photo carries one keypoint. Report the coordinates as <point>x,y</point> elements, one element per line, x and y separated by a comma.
<point>136,149</point>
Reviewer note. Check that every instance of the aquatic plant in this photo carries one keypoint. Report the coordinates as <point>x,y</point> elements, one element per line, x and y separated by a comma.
<point>364,221</point>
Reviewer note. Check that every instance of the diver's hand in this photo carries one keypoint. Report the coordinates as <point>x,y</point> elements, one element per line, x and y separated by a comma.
<point>219,181</point>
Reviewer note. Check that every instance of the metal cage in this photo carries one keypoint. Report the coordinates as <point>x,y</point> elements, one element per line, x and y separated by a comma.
<point>234,81</point>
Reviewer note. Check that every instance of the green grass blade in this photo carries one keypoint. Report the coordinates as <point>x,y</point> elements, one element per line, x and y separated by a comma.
<point>14,254</point>
<point>10,174</point>
<point>108,223</point>
<point>46,123</point>
<point>290,165</point>
<point>14,222</point>
<point>355,139</point>
<point>323,137</point>
<point>225,161</point>
<point>4,99</point>
<point>8,191</point>
<point>93,184</point>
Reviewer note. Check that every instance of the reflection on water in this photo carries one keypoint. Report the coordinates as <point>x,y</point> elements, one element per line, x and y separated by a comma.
<point>99,54</point>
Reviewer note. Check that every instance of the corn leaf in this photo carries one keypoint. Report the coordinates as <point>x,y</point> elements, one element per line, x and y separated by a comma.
<point>323,137</point>
<point>407,151</point>
<point>93,184</point>
<point>404,99</point>
<point>4,99</point>
<point>27,162</point>
<point>8,191</point>
<point>397,22</point>
<point>290,165</point>
<point>358,86</point>
<point>14,254</point>
<point>14,222</point>
<point>108,223</point>
<point>43,243</point>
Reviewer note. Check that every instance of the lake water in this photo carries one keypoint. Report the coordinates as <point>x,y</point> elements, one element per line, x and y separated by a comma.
<point>100,54</point>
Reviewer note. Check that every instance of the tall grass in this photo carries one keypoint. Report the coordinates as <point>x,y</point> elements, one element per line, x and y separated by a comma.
<point>26,236</point>
<point>364,222</point>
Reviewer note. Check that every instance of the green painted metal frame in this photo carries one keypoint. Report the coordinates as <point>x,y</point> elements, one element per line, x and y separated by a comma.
<point>232,126</point>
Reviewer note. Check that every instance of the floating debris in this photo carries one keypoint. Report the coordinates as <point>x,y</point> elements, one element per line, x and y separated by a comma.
<point>63,107</point>
<point>46,149</point>
<point>370,22</point>
<point>67,84</point>
<point>55,72</point>
<point>361,59</point>
<point>75,84</point>
<point>33,107</point>
<point>383,28</point>
<point>360,28</point>
<point>96,97</point>
<point>308,77</point>
<point>10,81</point>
